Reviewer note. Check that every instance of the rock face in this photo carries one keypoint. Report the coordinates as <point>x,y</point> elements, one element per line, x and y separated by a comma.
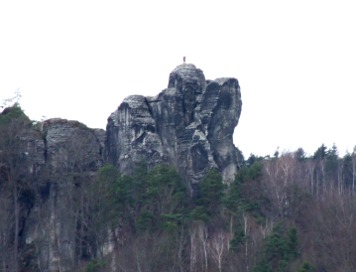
<point>189,125</point>
<point>72,155</point>
<point>46,173</point>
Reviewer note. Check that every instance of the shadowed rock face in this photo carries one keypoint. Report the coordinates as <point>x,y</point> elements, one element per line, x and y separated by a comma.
<point>189,125</point>
<point>71,154</point>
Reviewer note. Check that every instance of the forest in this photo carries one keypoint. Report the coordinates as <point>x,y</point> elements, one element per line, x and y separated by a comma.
<point>283,213</point>
<point>289,212</point>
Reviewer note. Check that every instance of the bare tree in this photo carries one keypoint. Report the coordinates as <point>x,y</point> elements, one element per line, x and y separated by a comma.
<point>353,157</point>
<point>13,153</point>
<point>193,248</point>
<point>6,216</point>
<point>203,237</point>
<point>274,184</point>
<point>218,245</point>
<point>310,164</point>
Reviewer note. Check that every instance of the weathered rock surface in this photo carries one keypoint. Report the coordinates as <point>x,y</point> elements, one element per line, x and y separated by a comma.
<point>189,125</point>
<point>72,155</point>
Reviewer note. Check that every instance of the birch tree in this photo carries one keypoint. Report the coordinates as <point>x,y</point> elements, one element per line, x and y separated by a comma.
<point>218,245</point>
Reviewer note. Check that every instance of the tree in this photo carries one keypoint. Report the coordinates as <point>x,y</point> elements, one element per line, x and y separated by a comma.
<point>12,101</point>
<point>211,192</point>
<point>145,215</point>
<point>13,155</point>
<point>332,167</point>
<point>280,248</point>
<point>353,156</point>
<point>319,170</point>
<point>218,245</point>
<point>306,267</point>
<point>321,152</point>
<point>299,154</point>
<point>103,209</point>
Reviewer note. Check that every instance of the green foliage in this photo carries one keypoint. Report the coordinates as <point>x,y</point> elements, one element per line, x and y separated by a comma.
<point>171,222</point>
<point>320,153</point>
<point>332,162</point>
<point>95,265</point>
<point>300,154</point>
<point>13,114</point>
<point>104,195</point>
<point>211,190</point>
<point>164,200</point>
<point>239,197</point>
<point>252,160</point>
<point>153,212</point>
<point>262,266</point>
<point>347,165</point>
<point>107,174</point>
<point>199,213</point>
<point>238,239</point>
<point>104,211</point>
<point>253,172</point>
<point>146,200</point>
<point>292,243</point>
<point>280,248</point>
<point>16,189</point>
<point>306,267</point>
<point>13,125</point>
<point>149,208</point>
<point>330,158</point>
<point>146,221</point>
<point>210,196</point>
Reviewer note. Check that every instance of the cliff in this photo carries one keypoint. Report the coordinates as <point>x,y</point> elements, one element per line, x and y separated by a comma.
<point>45,173</point>
<point>48,169</point>
<point>189,125</point>
<point>71,157</point>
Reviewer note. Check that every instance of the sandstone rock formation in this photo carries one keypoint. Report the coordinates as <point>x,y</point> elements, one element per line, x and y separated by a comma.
<point>189,125</point>
<point>71,158</point>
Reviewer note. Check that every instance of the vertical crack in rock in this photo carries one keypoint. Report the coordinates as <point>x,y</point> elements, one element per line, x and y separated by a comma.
<point>188,125</point>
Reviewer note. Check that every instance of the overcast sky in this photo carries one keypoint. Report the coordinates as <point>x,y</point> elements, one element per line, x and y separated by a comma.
<point>295,61</point>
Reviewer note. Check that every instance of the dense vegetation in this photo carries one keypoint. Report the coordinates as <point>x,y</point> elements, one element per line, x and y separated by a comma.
<point>285,213</point>
<point>290,212</point>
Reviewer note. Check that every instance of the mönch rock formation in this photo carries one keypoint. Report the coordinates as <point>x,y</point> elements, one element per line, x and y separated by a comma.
<point>189,125</point>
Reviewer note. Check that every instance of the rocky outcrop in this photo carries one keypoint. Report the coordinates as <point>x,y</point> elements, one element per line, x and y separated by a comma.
<point>189,125</point>
<point>72,145</point>
<point>72,155</point>
<point>46,170</point>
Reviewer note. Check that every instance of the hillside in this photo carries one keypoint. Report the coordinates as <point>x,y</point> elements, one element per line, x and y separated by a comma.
<point>165,189</point>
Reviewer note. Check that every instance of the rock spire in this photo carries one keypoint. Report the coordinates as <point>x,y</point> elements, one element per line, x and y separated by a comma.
<point>189,125</point>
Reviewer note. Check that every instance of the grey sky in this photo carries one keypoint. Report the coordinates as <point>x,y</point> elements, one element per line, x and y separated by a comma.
<point>295,61</point>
